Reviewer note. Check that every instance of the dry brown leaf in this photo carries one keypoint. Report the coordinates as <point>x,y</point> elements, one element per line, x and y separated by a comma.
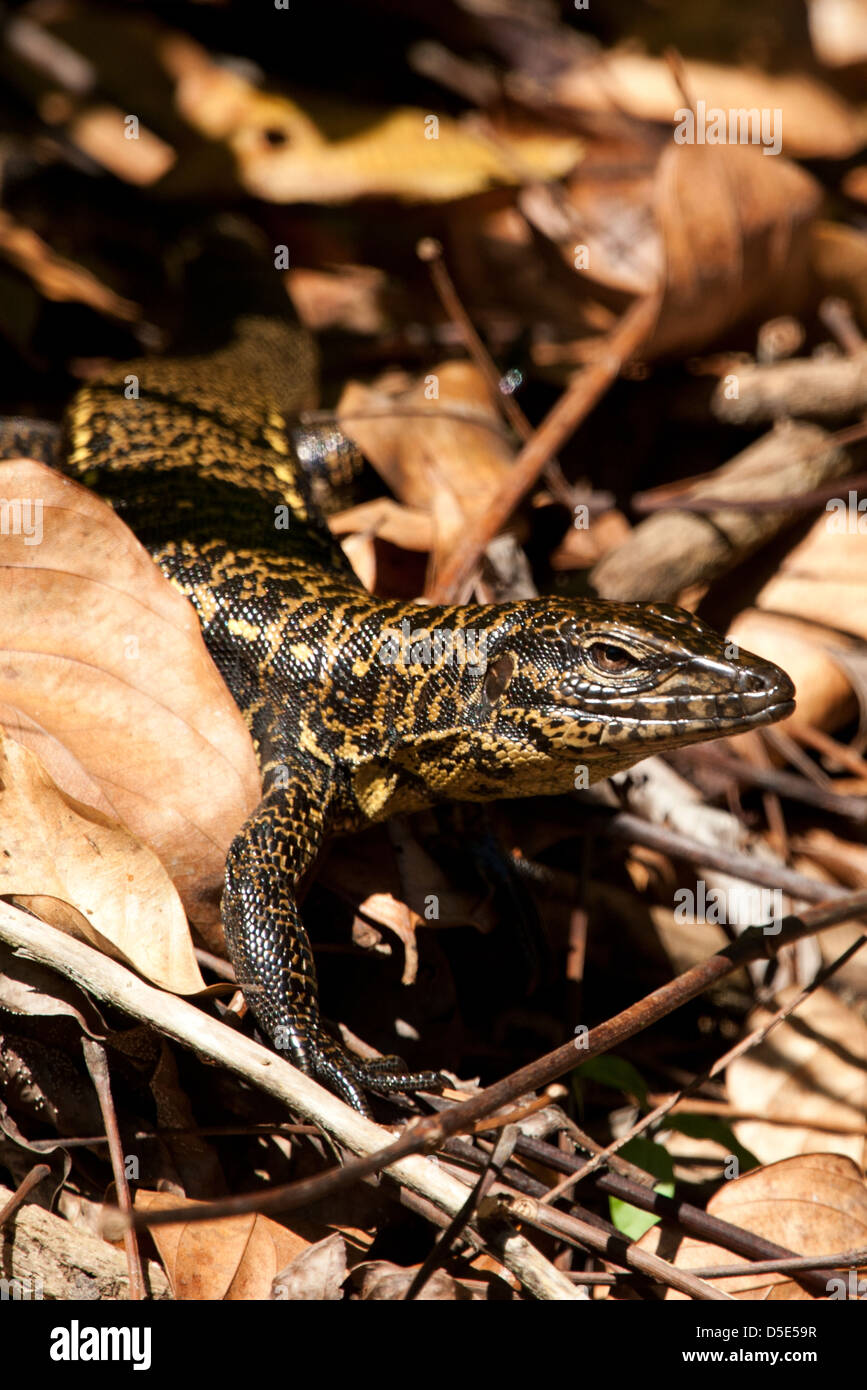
<point>235,1258</point>
<point>32,989</point>
<point>284,156</point>
<point>735,232</point>
<point>433,461</point>
<point>87,875</point>
<point>105,659</point>
<point>811,1070</point>
<point>316,1275</point>
<point>397,918</point>
<point>360,551</point>
<point>349,298</point>
<point>612,217</point>
<point>854,185</point>
<point>584,546</point>
<point>824,577</point>
<point>388,521</point>
<point>725,230</point>
<point>815,122</point>
<point>815,1204</point>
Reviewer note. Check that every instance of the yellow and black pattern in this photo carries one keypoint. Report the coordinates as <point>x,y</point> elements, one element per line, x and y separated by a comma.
<point>360,708</point>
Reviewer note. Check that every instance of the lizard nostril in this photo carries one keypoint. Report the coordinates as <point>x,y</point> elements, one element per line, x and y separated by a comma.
<point>754,682</point>
<point>764,678</point>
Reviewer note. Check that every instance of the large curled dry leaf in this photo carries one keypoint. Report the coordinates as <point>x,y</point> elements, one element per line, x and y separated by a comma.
<point>815,1204</point>
<point>809,1075</point>
<point>87,875</point>
<point>104,673</point>
<point>735,231</point>
<point>725,231</point>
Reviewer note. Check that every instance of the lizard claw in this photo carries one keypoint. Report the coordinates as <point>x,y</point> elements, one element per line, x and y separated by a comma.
<point>351,1076</point>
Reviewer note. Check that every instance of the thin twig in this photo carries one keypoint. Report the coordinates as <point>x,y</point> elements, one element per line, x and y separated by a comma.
<point>830,748</point>
<point>768,873</point>
<point>97,1065</point>
<point>22,1192</point>
<point>618,1248</point>
<point>422,1135</point>
<point>790,785</point>
<point>497,1158</point>
<point>644,502</point>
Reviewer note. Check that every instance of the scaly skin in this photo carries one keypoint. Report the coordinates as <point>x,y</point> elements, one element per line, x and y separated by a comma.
<point>349,725</point>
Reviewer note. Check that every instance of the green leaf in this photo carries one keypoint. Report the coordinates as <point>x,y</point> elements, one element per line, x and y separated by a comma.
<point>630,1220</point>
<point>617,1073</point>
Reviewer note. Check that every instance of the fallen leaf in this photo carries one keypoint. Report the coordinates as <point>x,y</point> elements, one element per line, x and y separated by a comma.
<point>349,297</point>
<point>399,919</point>
<point>235,1258</point>
<point>814,122</point>
<point>28,988</point>
<point>87,875</point>
<point>735,232</point>
<point>438,445</point>
<point>811,1073</point>
<point>105,660</point>
<point>383,1282</point>
<point>334,153</point>
<point>815,1204</point>
<point>823,578</point>
<point>316,1275</point>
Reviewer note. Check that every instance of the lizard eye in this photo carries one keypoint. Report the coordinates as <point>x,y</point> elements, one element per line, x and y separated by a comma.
<point>275,136</point>
<point>497,677</point>
<point>609,659</point>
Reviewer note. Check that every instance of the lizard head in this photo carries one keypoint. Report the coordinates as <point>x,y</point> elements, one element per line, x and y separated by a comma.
<point>558,694</point>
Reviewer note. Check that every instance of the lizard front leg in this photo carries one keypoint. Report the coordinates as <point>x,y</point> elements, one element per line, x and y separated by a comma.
<point>270,949</point>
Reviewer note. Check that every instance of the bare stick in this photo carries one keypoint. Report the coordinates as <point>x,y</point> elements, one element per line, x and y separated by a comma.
<point>22,1192</point>
<point>97,1065</point>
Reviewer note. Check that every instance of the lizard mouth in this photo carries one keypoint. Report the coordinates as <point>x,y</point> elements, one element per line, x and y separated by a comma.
<point>768,714</point>
<point>710,698</point>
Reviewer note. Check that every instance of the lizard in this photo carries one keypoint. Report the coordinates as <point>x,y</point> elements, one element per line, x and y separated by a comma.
<point>361,708</point>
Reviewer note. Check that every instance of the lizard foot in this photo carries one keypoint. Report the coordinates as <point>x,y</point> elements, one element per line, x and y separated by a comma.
<point>350,1076</point>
